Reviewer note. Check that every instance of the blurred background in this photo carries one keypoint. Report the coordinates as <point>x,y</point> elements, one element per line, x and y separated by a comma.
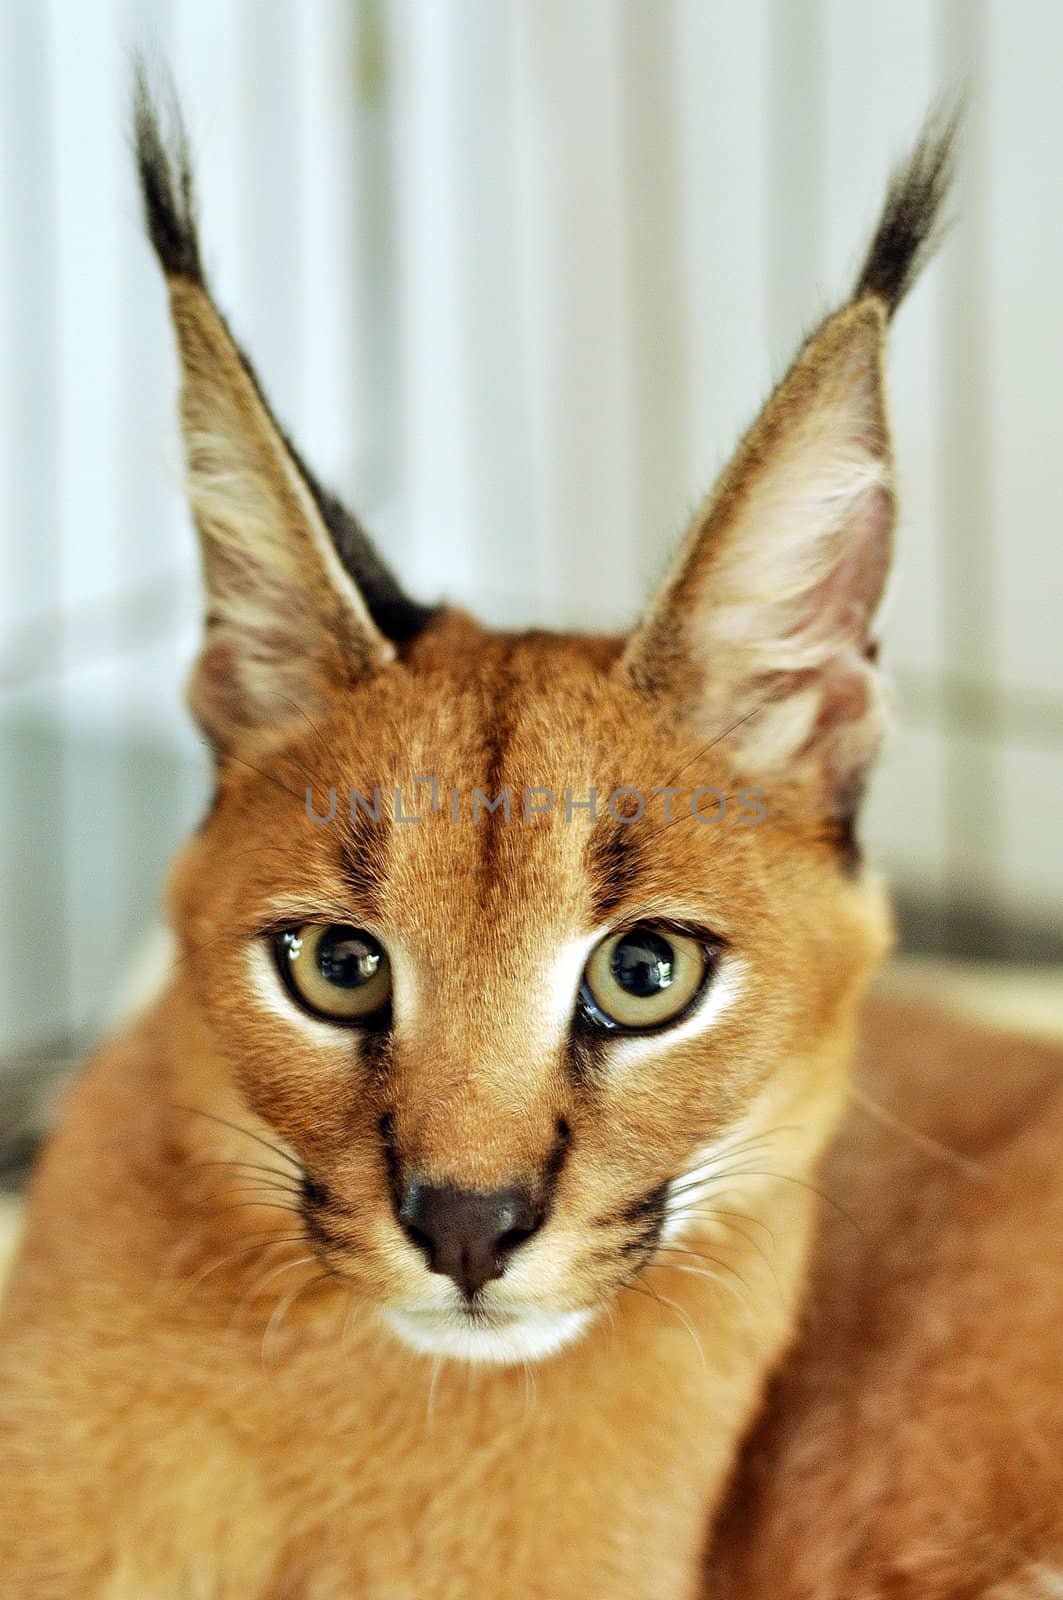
<point>517,273</point>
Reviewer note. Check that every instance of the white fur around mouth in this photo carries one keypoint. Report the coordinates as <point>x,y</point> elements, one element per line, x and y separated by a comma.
<point>529,1336</point>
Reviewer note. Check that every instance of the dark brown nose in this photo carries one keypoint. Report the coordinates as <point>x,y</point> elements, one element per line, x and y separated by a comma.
<point>467,1234</point>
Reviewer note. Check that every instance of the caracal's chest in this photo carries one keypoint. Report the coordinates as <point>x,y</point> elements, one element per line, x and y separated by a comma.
<point>319,1471</point>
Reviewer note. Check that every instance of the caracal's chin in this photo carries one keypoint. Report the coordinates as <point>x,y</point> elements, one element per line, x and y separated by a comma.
<point>499,1337</point>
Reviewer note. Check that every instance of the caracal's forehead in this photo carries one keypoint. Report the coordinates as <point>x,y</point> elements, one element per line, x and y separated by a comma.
<point>518,784</point>
<point>468,704</point>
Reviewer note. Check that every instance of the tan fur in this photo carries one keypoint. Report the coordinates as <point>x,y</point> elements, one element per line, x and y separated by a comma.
<point>207,1385</point>
<point>159,1424</point>
<point>913,1446</point>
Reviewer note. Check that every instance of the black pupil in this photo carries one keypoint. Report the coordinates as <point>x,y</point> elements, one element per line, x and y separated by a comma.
<point>347,957</point>
<point>643,963</point>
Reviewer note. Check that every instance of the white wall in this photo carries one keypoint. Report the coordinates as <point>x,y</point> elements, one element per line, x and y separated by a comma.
<point>517,272</point>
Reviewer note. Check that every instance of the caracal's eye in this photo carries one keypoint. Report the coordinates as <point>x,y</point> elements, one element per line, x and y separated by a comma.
<point>643,977</point>
<point>335,971</point>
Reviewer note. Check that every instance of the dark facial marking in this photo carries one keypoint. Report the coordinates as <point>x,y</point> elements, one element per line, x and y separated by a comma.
<point>555,1162</point>
<point>386,1129</point>
<point>647,1208</point>
<point>364,856</point>
<point>499,693</point>
<point>585,1055</point>
<point>614,861</point>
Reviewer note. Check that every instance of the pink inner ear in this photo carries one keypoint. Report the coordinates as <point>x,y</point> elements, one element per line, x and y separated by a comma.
<point>770,607</point>
<point>825,709</point>
<point>841,606</point>
<point>837,612</point>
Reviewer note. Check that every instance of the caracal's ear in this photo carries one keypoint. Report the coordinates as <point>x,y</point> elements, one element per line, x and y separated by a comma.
<point>297,603</point>
<point>764,624</point>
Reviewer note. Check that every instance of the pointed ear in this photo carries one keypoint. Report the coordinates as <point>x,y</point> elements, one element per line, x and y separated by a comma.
<point>765,624</point>
<point>286,621</point>
<point>765,621</point>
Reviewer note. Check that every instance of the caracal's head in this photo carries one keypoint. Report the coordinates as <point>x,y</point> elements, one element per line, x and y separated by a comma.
<point>514,1048</point>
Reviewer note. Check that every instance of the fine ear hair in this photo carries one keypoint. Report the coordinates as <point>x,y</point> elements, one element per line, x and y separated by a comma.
<point>764,625</point>
<point>297,602</point>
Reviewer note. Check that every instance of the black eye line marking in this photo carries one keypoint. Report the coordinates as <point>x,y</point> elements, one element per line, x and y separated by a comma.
<point>376,1043</point>
<point>554,1165</point>
<point>585,1051</point>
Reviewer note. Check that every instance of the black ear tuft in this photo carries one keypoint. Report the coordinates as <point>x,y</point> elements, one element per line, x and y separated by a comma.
<point>165,172</point>
<point>909,229</point>
<point>164,167</point>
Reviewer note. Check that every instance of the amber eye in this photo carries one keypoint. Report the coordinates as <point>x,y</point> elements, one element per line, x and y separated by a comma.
<point>643,977</point>
<point>335,971</point>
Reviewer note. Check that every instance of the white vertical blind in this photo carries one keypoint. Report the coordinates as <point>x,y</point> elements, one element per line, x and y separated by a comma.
<point>517,273</point>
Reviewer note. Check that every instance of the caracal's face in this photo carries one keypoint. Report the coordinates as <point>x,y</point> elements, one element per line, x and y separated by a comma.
<point>516,1061</point>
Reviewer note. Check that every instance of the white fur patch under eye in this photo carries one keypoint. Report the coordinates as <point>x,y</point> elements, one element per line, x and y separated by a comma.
<point>267,989</point>
<point>565,975</point>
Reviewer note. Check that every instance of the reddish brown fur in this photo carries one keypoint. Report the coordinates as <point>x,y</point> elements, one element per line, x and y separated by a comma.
<point>203,1391</point>
<point>330,1466</point>
<point>912,1446</point>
